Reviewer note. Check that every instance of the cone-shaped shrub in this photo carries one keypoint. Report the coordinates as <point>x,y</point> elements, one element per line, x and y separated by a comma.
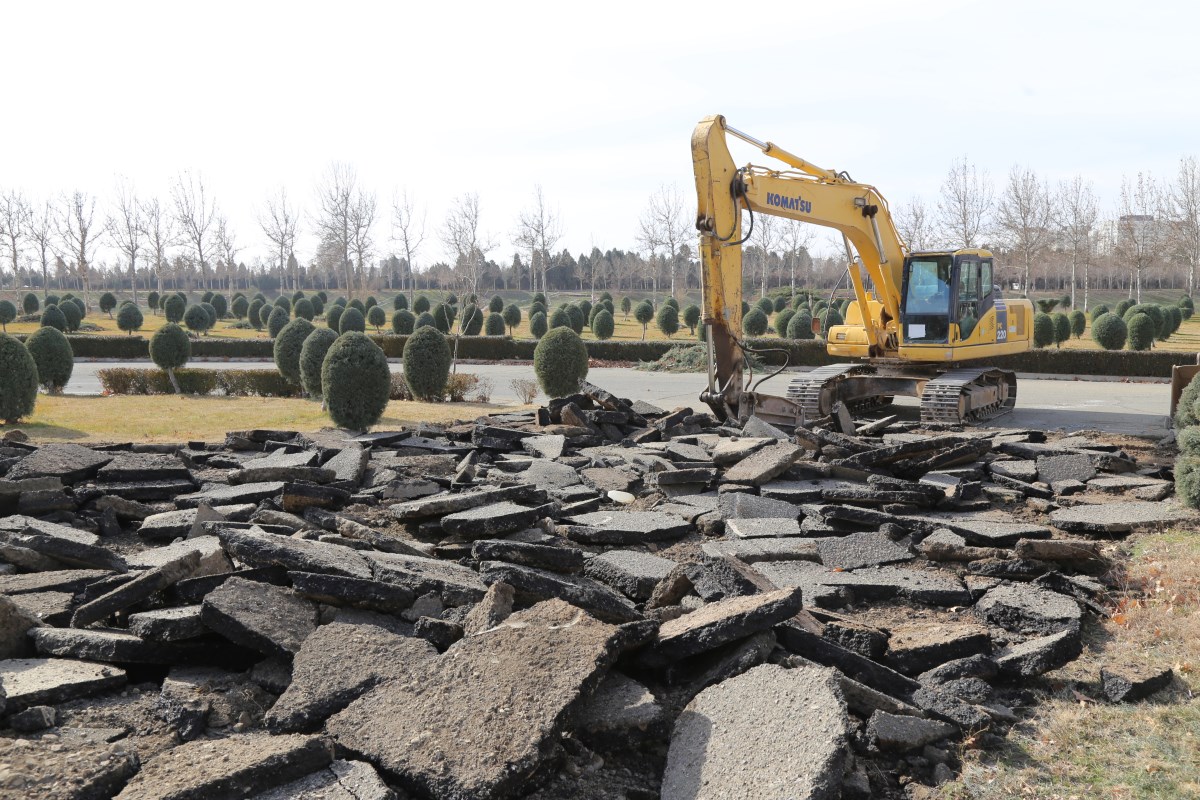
<point>358,305</point>
<point>399,303</point>
<point>781,303</point>
<point>576,317</point>
<point>421,304</point>
<point>403,322</point>
<point>586,308</point>
<point>18,380</point>
<point>800,325</point>
<point>537,325</point>
<point>276,322</point>
<point>129,318</point>
<point>1109,331</point>
<point>30,303</point>
<point>281,302</point>
<point>668,319</point>
<point>496,304</point>
<point>356,381</point>
<point>52,300</point>
<point>377,317</point>
<point>603,325</point>
<point>221,305</point>
<point>441,317</point>
<point>512,317</point>
<point>535,308</point>
<point>829,317</point>
<point>626,305</point>
<point>52,354</point>
<point>108,302</point>
<point>471,322</point>
<point>538,297</point>
<point>1186,306</point>
<point>1142,331</point>
<point>755,323</point>
<point>287,348</point>
<point>174,308</point>
<point>370,303</point>
<point>1078,323</point>
<point>312,356</point>
<point>352,320</point>
<point>256,313</point>
<point>70,310</point>
<point>318,305</point>
<point>333,317</point>
<point>691,317</point>
<point>170,348</point>
<point>1176,317</point>
<point>240,307</point>
<point>1062,327</point>
<point>426,363</point>
<point>53,317</point>
<point>206,297</point>
<point>197,320</point>
<point>495,325</point>
<point>211,310</point>
<point>606,296</point>
<point>1043,330</point>
<point>560,362</point>
<point>425,319</point>
<point>560,319</point>
<point>782,318</point>
<point>303,309</point>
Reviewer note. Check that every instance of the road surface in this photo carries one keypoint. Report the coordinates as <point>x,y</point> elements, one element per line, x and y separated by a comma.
<point>1105,404</point>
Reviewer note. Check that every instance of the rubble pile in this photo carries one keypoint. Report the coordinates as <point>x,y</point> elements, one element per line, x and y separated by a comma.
<point>597,599</point>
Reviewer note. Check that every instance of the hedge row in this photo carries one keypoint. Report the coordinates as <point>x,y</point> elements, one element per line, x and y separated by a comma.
<point>801,353</point>
<point>232,382</point>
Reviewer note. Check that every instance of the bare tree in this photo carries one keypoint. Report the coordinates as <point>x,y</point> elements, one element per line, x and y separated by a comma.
<point>915,225</point>
<point>538,230</point>
<point>334,223</point>
<point>1024,217</point>
<point>279,224</point>
<point>796,238</point>
<point>1076,214</point>
<point>14,228</point>
<point>227,250</point>
<point>41,236</point>
<point>664,225</point>
<point>770,233</point>
<point>158,225</point>
<point>1184,197</point>
<point>362,242</point>
<point>79,235</point>
<point>1140,241</point>
<point>467,245</point>
<point>410,233</point>
<point>965,205</point>
<point>125,228</point>
<point>195,213</point>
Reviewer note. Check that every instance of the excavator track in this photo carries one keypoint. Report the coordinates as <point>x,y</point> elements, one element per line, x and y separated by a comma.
<point>969,394</point>
<point>816,390</point>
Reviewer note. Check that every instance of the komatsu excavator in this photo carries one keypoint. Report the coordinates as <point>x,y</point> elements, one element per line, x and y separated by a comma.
<point>914,320</point>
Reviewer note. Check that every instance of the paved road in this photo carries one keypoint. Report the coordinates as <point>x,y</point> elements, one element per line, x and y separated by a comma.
<point>1114,406</point>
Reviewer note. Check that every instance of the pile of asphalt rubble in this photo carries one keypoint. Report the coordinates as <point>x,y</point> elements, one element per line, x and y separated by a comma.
<point>597,600</point>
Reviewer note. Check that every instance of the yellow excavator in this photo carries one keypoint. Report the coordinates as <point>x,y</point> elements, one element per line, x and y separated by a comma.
<point>914,320</point>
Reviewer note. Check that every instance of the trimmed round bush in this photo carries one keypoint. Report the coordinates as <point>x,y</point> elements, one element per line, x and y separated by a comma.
<point>1185,414</point>
<point>403,322</point>
<point>745,309</point>
<point>755,323</point>
<point>371,302</point>
<point>1078,323</point>
<point>472,320</point>
<point>781,303</point>
<point>1186,307</point>
<point>206,297</point>
<point>538,325</point>
<point>70,310</point>
<point>240,307</point>
<point>18,380</point>
<point>195,319</point>
<point>421,304</point>
<point>174,308</point>
<point>671,301</point>
<point>829,317</point>
<point>280,302</point>
<point>1109,331</point>
<point>277,321</point>
<point>575,314</point>
<point>312,355</point>
<point>352,320</point>
<point>536,308</point>
<point>212,314</point>
<point>53,317</point>
<point>356,381</point>
<point>108,302</point>
<point>8,312</point>
<point>512,317</point>
<point>765,305</point>
<point>1188,440</point>
<point>442,318</point>
<point>626,305</point>
<point>560,319</point>
<point>586,308</point>
<point>1124,306</point>
<point>1043,330</point>
<point>377,317</point>
<point>603,324</point>
<point>318,305</point>
<point>452,299</point>
<point>258,314</point>
<point>357,305</point>
<point>644,313</point>
<point>495,325</point>
<point>52,300</point>
<point>400,302</point>
<point>425,320</point>
<point>333,317</point>
<point>426,363</point>
<point>1142,332</point>
<point>129,318</point>
<point>691,317</point>
<point>1098,311</point>
<point>287,348</point>
<point>341,303</point>
<point>1174,318</point>
<point>83,309</point>
<point>496,304</point>
<point>668,320</point>
<point>53,357</point>
<point>1187,481</point>
<point>1062,327</point>
<point>560,362</point>
<point>1155,313</point>
<point>303,309</point>
<point>221,305</point>
<point>782,318</point>
<point>800,325</point>
<point>31,306</point>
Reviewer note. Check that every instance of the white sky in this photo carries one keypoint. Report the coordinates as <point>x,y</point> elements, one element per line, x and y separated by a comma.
<point>595,102</point>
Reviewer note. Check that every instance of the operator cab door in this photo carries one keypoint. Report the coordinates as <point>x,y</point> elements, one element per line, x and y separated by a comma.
<point>974,293</point>
<point>925,307</point>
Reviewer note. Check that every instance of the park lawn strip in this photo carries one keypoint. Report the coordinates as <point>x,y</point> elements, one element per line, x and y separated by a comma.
<point>173,418</point>
<point>1076,748</point>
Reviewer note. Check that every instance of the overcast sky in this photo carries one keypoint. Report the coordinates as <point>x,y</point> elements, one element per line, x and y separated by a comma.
<point>595,102</point>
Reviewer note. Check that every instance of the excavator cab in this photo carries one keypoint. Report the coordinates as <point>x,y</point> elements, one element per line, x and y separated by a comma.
<point>944,295</point>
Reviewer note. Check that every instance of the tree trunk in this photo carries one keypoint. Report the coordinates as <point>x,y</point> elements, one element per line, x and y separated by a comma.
<point>174,382</point>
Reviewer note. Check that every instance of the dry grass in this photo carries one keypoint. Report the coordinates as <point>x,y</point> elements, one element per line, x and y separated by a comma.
<point>151,323</point>
<point>172,418</point>
<point>1075,747</point>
